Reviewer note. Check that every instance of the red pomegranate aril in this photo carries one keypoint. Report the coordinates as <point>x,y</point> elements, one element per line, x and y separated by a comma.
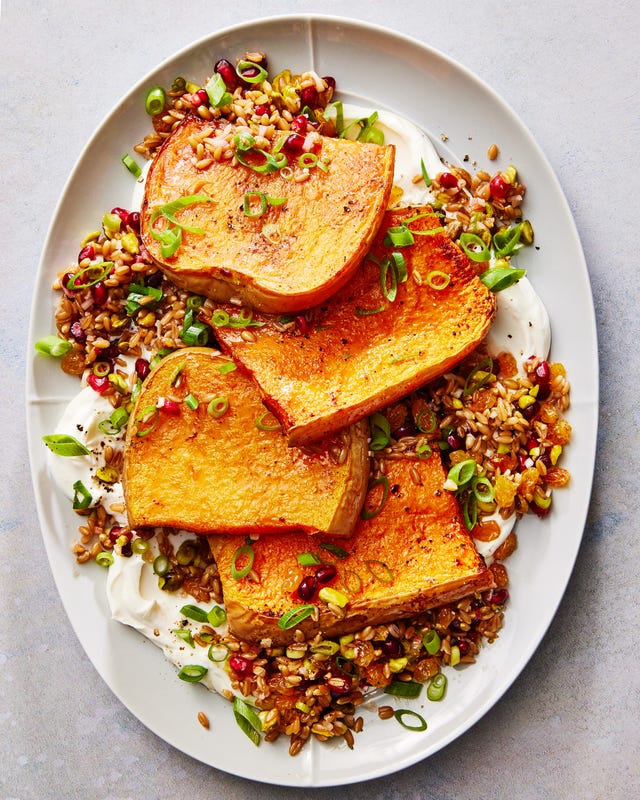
<point>391,647</point>
<point>122,213</point>
<point>498,187</point>
<point>538,510</point>
<point>524,461</point>
<point>133,220</point>
<point>307,588</point>
<point>530,411</point>
<point>99,383</point>
<point>100,293</point>
<point>77,331</point>
<point>543,371</point>
<point>228,73</point>
<point>454,441</point>
<point>463,647</point>
<point>68,276</point>
<point>142,368</point>
<point>331,82</point>
<point>199,98</point>
<point>406,429</point>
<point>115,532</point>
<point>261,110</point>
<point>299,124</point>
<point>498,597</point>
<point>170,406</point>
<point>294,145</point>
<point>326,573</point>
<point>241,666</point>
<point>303,324</point>
<point>448,181</point>
<point>88,251</point>
<point>340,684</point>
<point>309,96</point>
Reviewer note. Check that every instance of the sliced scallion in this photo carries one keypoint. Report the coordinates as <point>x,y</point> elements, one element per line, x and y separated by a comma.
<point>431,642</point>
<point>90,275</point>
<point>478,376</point>
<point>263,426</point>
<point>104,559</point>
<point>217,93</point>
<point>184,634</point>
<point>437,687</point>
<point>245,69</point>
<point>82,498</point>
<point>155,100</point>
<point>243,555</point>
<point>294,616</point>
<point>53,346</point>
<point>247,719</point>
<point>425,174</point>
<point>192,673</point>
<point>462,472</point>
<point>383,481</point>
<point>380,570</point>
<point>114,424</point>
<point>216,616</point>
<point>418,722</point>
<point>474,247</point>
<point>380,431</point>
<point>64,445</point>
<point>410,689</point>
<point>191,401</point>
<point>131,165</point>
<point>308,559</point>
<point>218,407</point>
<point>147,420</point>
<point>194,612</point>
<point>337,551</point>
<point>398,236</point>
<point>498,278</point>
<point>437,279</point>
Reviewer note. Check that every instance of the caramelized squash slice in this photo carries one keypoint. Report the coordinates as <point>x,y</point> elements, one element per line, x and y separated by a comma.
<point>210,468</point>
<point>413,555</point>
<point>362,350</point>
<point>292,256</point>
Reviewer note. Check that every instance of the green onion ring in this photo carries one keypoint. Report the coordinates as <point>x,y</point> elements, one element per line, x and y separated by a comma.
<point>228,366</point>
<point>470,511</point>
<point>149,413</point>
<point>155,101</point>
<point>139,546</point>
<point>425,174</point>
<point>437,279</point>
<point>431,642</point>
<point>245,551</point>
<point>432,424</point>
<point>334,549</point>
<point>474,247</point>
<point>401,713</point>
<point>437,687</point>
<point>294,616</point>
<point>81,496</point>
<point>53,346</point>
<point>260,425</point>
<point>192,673</point>
<point>462,472</point>
<point>104,559</point>
<point>380,570</point>
<point>217,646</point>
<point>161,565</point>
<point>218,407</point>
<point>381,481</point>
<point>245,65</point>
<point>486,365</point>
<point>216,616</point>
<point>390,291</point>
<point>398,236</point>
<point>423,449</point>
<point>246,204</point>
<point>104,269</point>
<point>351,581</point>
<point>247,719</point>
<point>64,445</point>
<point>184,634</point>
<point>308,559</point>
<point>131,165</point>
<point>483,489</point>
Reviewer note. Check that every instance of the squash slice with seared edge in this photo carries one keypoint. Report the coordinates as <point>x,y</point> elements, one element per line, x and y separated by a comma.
<point>409,314</point>
<point>413,555</point>
<point>203,454</point>
<point>276,244</point>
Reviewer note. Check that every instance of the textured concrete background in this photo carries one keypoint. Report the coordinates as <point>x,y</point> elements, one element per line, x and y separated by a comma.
<point>568,727</point>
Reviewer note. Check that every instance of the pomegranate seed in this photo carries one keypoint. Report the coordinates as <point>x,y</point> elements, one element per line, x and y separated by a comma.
<point>309,96</point>
<point>88,251</point>
<point>530,411</point>
<point>142,368</point>
<point>65,284</point>
<point>531,443</point>
<point>249,72</point>
<point>454,441</point>
<point>299,124</point>
<point>261,110</point>
<point>115,532</point>
<point>464,647</point>
<point>228,72</point>
<point>294,145</point>
<point>122,213</point>
<point>303,324</point>
<point>99,384</point>
<point>406,429</point>
<point>326,573</point>
<point>155,279</point>
<point>307,588</point>
<point>133,220</point>
<point>448,181</point>
<point>498,187</point>
<point>498,596</point>
<point>100,293</point>
<point>546,460</point>
<point>331,82</point>
<point>77,332</point>
<point>391,647</point>
<point>170,406</point>
<point>543,371</point>
<point>524,462</point>
<point>199,98</point>
<point>340,684</point>
<point>241,666</point>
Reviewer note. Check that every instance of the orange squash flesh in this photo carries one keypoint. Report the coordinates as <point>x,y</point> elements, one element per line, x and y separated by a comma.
<point>354,361</point>
<point>317,237</point>
<point>205,474</point>
<point>414,555</point>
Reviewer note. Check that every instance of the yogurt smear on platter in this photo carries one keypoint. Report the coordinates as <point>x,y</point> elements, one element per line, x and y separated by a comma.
<point>521,327</point>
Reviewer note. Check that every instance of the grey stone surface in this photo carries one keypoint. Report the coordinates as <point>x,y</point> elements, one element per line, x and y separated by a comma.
<point>568,727</point>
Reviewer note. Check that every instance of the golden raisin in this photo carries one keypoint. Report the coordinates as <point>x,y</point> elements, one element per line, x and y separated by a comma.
<point>557,368</point>
<point>505,492</point>
<point>486,531</point>
<point>557,476</point>
<point>530,479</point>
<point>507,365</point>
<point>560,432</point>
<point>505,550</point>
<point>500,575</point>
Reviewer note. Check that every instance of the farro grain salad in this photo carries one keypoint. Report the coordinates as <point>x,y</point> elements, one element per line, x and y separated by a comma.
<point>403,370</point>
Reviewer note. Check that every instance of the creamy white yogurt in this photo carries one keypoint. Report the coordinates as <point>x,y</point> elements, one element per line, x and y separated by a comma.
<point>80,420</point>
<point>136,600</point>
